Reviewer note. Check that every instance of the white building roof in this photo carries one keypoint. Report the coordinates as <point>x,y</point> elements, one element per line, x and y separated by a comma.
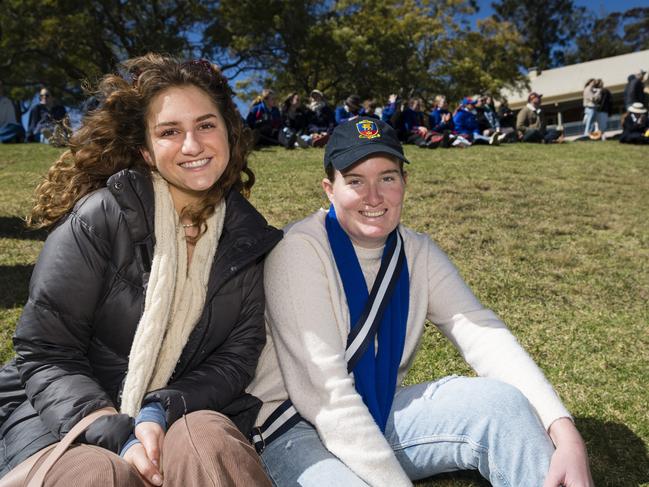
<point>567,83</point>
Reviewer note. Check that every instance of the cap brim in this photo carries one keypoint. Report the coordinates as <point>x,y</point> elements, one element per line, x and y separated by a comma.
<point>355,154</point>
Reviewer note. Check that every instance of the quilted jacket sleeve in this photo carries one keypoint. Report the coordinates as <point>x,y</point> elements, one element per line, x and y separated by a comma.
<point>55,328</point>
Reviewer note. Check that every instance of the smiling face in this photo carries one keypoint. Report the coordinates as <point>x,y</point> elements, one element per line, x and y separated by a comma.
<point>368,198</point>
<point>187,142</point>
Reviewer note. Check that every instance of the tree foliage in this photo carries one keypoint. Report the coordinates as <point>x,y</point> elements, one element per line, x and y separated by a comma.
<point>60,42</point>
<point>614,34</point>
<point>421,47</point>
<point>547,26</point>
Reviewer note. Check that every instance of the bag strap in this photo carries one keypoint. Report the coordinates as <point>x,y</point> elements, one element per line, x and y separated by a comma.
<point>61,447</point>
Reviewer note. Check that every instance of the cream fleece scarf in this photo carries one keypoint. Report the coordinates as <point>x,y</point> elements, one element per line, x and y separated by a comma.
<point>174,300</point>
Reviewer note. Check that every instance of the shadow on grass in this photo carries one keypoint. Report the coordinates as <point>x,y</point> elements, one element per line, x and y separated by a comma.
<point>14,227</point>
<point>617,455</point>
<point>14,285</point>
<point>465,478</point>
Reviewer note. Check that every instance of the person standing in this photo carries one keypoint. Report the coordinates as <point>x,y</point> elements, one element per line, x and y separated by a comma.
<point>589,101</point>
<point>636,89</point>
<point>604,108</point>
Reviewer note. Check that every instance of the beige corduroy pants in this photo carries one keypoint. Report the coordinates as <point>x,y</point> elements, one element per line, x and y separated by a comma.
<point>202,449</point>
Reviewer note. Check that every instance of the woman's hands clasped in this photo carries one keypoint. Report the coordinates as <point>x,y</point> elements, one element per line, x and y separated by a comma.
<point>146,456</point>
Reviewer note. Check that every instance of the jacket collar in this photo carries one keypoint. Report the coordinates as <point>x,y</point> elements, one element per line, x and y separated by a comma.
<point>246,236</point>
<point>133,191</point>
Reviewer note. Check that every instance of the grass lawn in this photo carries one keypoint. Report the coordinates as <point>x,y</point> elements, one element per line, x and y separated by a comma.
<point>555,239</point>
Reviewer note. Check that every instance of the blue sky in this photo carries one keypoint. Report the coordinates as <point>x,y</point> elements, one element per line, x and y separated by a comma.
<point>598,6</point>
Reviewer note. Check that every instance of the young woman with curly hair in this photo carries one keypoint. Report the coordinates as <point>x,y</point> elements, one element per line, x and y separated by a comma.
<point>147,295</point>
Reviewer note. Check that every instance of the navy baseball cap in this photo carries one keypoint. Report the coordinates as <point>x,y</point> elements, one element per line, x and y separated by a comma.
<point>359,138</point>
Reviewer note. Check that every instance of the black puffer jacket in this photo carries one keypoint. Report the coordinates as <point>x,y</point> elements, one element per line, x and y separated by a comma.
<point>86,298</point>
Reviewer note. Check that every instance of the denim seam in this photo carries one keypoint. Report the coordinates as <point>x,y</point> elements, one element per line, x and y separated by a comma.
<point>268,471</point>
<point>476,447</point>
<point>440,438</point>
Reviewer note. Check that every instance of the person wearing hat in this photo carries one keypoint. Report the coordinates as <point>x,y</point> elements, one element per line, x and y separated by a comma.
<point>348,291</point>
<point>635,127</point>
<point>320,119</point>
<point>465,122</point>
<point>530,122</point>
<point>350,109</point>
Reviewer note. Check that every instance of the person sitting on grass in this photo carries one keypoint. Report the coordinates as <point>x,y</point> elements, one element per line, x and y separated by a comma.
<point>294,122</point>
<point>10,129</point>
<point>369,109</point>
<point>349,292</point>
<point>635,126</point>
<point>265,120</point>
<point>321,120</point>
<point>530,123</point>
<point>413,126</point>
<point>350,109</point>
<point>392,109</point>
<point>440,118</point>
<point>147,296</point>
<point>465,122</point>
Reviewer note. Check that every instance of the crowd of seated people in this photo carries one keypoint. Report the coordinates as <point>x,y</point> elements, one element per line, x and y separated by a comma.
<point>308,123</point>
<point>475,120</point>
<point>48,121</point>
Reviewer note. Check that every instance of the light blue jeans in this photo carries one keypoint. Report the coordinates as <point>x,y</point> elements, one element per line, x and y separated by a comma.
<point>456,423</point>
<point>589,120</point>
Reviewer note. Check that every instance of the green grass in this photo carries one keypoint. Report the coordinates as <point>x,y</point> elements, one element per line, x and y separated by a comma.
<point>555,239</point>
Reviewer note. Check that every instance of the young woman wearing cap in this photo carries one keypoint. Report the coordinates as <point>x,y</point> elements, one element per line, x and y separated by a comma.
<point>147,295</point>
<point>349,421</point>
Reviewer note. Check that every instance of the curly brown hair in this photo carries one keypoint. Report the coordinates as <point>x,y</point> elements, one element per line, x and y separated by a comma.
<point>112,136</point>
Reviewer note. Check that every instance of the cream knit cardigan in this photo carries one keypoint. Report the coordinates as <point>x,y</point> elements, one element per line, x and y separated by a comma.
<point>307,323</point>
<point>174,300</point>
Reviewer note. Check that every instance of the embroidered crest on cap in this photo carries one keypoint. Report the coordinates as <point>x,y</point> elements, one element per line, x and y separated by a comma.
<point>367,129</point>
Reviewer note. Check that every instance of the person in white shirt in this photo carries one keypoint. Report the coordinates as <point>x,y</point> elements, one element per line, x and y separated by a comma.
<point>348,292</point>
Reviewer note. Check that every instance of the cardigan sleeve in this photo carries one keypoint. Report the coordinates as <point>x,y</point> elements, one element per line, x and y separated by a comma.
<point>483,339</point>
<point>301,294</point>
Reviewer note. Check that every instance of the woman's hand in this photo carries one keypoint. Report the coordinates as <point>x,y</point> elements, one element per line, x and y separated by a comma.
<point>146,456</point>
<point>569,463</point>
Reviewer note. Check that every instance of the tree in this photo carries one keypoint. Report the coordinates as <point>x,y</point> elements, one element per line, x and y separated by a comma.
<point>614,34</point>
<point>60,42</point>
<point>371,48</point>
<point>421,47</point>
<point>548,26</point>
<point>636,28</point>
